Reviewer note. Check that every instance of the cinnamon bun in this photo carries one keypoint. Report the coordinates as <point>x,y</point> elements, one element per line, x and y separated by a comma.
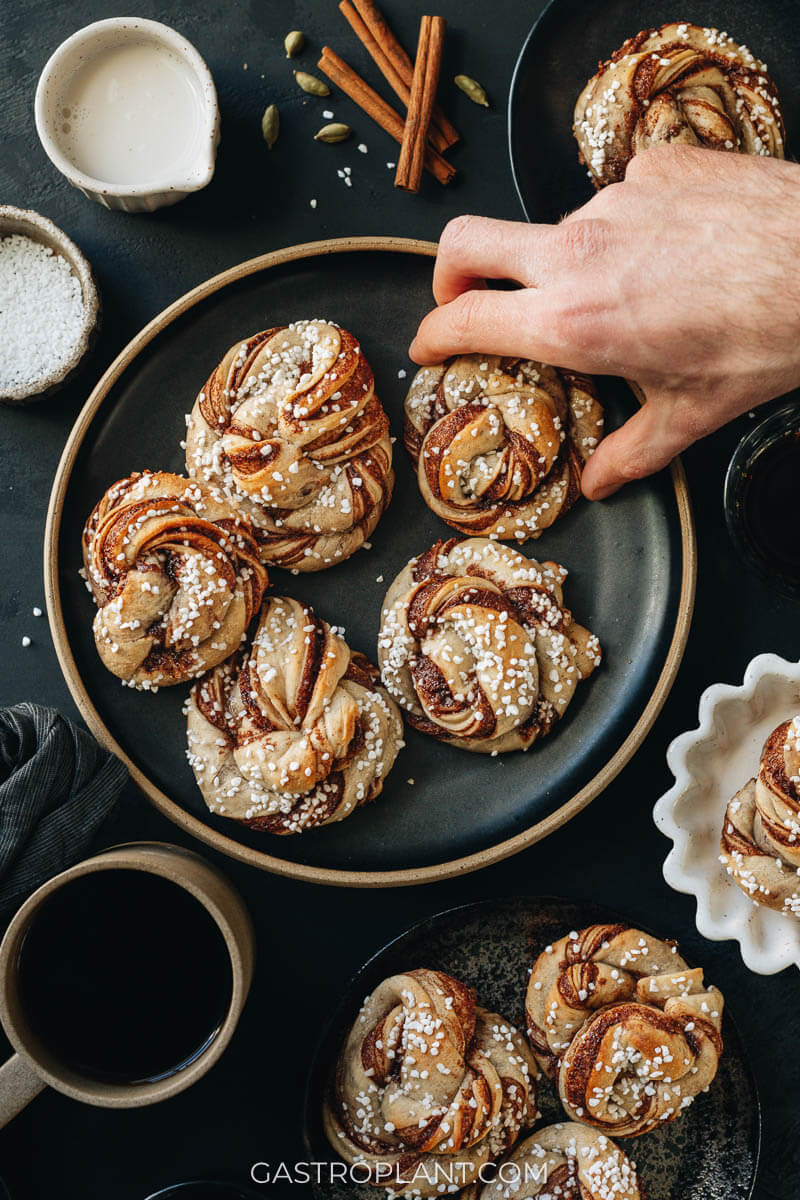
<point>429,1087</point>
<point>477,647</point>
<point>566,1161</point>
<point>499,444</point>
<point>289,428</point>
<point>628,1031</point>
<point>294,732</point>
<point>761,833</point>
<point>176,577</point>
<point>676,83</point>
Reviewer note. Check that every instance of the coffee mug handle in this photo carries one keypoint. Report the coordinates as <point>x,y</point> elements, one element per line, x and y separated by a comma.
<point>19,1084</point>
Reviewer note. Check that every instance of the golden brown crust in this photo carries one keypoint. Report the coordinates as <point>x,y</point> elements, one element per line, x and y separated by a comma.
<point>629,1032</point>
<point>427,1083</point>
<point>176,577</point>
<point>676,83</point>
<point>499,444</point>
<point>477,646</point>
<point>566,1161</point>
<point>295,731</point>
<point>289,427</point>
<point>760,840</point>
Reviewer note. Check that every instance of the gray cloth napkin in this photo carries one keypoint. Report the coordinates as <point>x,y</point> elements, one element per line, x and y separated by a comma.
<point>57,787</point>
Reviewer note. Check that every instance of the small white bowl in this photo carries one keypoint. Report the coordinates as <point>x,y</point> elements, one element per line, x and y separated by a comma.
<point>147,195</point>
<point>710,764</point>
<point>39,229</point>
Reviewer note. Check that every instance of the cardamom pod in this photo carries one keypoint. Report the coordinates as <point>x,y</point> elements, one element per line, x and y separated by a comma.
<point>471,88</point>
<point>271,125</point>
<point>294,43</point>
<point>333,133</point>
<point>310,84</point>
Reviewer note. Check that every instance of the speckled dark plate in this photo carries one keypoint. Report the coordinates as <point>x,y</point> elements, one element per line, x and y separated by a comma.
<point>709,1153</point>
<point>562,52</point>
<point>443,811</point>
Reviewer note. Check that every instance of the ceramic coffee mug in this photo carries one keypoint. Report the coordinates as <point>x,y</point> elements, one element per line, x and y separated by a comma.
<point>33,1066</point>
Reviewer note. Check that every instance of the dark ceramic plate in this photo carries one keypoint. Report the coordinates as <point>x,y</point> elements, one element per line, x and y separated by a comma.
<point>631,564</point>
<point>562,52</point>
<point>709,1153</point>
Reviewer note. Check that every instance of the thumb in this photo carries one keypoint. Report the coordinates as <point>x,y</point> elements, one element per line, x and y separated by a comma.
<point>645,443</point>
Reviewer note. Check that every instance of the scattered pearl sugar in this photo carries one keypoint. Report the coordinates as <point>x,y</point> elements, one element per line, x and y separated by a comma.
<point>41,311</point>
<point>26,641</point>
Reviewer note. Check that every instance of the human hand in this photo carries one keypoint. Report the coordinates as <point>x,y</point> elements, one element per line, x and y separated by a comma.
<point>683,278</point>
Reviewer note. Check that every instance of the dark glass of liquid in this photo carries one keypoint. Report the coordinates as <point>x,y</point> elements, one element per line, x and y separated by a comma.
<point>124,976</point>
<point>762,498</point>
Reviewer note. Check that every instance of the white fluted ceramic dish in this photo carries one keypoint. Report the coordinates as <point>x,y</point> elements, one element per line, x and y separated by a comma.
<point>710,764</point>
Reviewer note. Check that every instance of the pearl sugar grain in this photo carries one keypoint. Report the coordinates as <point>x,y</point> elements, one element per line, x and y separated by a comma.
<point>41,312</point>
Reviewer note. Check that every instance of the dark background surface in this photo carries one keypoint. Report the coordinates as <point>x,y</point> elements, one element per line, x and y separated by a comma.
<point>249,1107</point>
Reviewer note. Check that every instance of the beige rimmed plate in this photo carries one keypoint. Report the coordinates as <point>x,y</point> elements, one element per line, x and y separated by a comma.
<point>632,563</point>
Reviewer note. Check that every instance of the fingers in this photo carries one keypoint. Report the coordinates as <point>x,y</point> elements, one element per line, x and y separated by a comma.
<point>477,321</point>
<point>553,325</point>
<point>644,444</point>
<point>520,324</point>
<point>473,249</point>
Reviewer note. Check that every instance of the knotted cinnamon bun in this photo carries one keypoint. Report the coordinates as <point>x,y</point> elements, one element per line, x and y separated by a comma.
<point>566,1161</point>
<point>289,428</point>
<point>176,577</point>
<point>429,1087</point>
<point>761,834</point>
<point>629,1032</point>
<point>477,646</point>
<point>294,732</point>
<point>500,443</point>
<point>676,83</point>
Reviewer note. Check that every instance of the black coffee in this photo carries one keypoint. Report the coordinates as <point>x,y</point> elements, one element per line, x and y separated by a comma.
<point>772,505</point>
<point>124,976</point>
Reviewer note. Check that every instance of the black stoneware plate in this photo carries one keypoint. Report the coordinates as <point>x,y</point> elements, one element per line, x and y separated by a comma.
<point>562,52</point>
<point>709,1153</point>
<point>631,563</point>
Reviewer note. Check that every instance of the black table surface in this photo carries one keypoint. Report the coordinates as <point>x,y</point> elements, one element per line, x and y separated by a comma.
<point>249,1107</point>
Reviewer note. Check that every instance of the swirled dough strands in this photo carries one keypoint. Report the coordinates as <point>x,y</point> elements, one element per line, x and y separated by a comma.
<point>429,1086</point>
<point>761,834</point>
<point>295,732</point>
<point>676,83</point>
<point>566,1161</point>
<point>499,444</point>
<point>477,646</point>
<point>175,574</point>
<point>290,429</point>
<point>628,1031</point>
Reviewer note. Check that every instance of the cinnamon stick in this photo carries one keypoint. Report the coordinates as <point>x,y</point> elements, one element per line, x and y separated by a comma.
<point>443,135</point>
<point>378,27</point>
<point>368,100</point>
<point>424,83</point>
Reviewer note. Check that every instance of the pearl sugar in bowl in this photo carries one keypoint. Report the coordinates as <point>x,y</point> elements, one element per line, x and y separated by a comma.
<point>48,305</point>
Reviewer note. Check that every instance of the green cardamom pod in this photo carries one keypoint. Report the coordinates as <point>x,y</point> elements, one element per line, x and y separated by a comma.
<point>333,133</point>
<point>471,88</point>
<point>310,84</point>
<point>271,125</point>
<point>294,42</point>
